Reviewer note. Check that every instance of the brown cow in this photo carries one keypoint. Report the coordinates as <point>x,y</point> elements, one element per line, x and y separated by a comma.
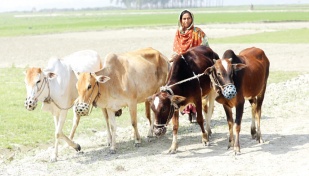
<point>125,80</point>
<point>237,78</point>
<point>178,93</point>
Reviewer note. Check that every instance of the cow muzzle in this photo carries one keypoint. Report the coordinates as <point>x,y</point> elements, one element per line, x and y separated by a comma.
<point>30,103</point>
<point>159,131</point>
<point>82,109</point>
<point>229,91</point>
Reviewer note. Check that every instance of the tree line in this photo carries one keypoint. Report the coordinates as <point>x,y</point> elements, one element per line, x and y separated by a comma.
<point>159,4</point>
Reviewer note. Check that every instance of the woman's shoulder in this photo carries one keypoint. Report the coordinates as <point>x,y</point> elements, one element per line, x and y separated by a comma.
<point>197,29</point>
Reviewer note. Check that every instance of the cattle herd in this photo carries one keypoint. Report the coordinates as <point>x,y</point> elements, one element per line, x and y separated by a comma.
<point>199,77</point>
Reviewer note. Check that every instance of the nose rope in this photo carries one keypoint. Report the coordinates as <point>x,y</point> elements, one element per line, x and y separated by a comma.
<point>41,88</point>
<point>94,103</point>
<point>170,115</point>
<point>227,90</point>
<point>216,81</point>
<point>89,99</point>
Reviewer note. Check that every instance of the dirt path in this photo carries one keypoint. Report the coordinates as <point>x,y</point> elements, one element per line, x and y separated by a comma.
<point>284,123</point>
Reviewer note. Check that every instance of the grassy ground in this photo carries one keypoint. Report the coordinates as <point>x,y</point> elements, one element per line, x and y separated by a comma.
<point>16,24</point>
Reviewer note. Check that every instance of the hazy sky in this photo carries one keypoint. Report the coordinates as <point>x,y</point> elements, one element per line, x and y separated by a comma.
<point>26,5</point>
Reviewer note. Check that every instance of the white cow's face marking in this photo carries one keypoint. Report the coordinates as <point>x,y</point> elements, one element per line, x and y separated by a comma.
<point>156,102</point>
<point>225,64</point>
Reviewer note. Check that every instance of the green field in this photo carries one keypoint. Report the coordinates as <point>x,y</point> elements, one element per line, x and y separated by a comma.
<point>21,127</point>
<point>284,36</point>
<point>16,24</point>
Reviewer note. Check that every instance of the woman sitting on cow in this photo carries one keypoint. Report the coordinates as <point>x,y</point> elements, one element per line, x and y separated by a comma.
<point>186,37</point>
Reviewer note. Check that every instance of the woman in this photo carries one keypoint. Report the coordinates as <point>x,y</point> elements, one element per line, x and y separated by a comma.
<point>186,37</point>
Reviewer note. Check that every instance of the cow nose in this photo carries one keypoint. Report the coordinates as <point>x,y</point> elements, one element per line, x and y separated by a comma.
<point>159,131</point>
<point>229,91</point>
<point>30,104</point>
<point>82,109</point>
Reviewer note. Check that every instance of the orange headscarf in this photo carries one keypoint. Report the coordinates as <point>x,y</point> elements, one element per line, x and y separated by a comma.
<point>186,39</point>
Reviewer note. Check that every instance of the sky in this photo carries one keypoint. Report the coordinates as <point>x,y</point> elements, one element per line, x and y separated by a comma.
<point>28,5</point>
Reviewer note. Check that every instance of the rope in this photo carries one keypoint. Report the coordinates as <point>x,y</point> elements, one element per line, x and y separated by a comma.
<point>49,99</point>
<point>185,80</point>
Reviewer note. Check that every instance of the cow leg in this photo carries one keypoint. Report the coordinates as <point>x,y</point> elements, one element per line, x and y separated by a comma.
<point>229,118</point>
<point>208,110</point>
<point>237,127</point>
<point>148,115</point>
<point>112,120</point>
<point>200,121</point>
<point>175,120</point>
<point>54,155</point>
<point>258,113</point>
<point>76,119</point>
<point>59,122</point>
<point>108,127</point>
<point>133,114</point>
<point>253,112</point>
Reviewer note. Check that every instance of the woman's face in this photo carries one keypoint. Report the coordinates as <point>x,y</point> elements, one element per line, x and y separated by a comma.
<point>186,20</point>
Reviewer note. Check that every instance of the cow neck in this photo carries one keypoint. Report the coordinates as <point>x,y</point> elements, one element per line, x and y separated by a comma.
<point>167,88</point>
<point>194,75</point>
<point>48,99</point>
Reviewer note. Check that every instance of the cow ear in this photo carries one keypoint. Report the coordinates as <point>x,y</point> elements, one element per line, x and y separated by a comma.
<point>49,74</point>
<point>102,79</point>
<point>208,70</point>
<point>177,99</point>
<point>76,74</point>
<point>237,67</point>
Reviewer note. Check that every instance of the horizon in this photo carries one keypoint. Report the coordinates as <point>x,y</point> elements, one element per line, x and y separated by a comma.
<point>20,5</point>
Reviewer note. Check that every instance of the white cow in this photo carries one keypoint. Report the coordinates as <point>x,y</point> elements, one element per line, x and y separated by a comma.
<point>55,87</point>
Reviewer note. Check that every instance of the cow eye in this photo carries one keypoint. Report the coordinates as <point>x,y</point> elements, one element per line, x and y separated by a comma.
<point>38,81</point>
<point>89,87</point>
<point>218,74</point>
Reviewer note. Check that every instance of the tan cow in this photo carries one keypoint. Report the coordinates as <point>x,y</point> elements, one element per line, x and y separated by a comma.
<point>125,80</point>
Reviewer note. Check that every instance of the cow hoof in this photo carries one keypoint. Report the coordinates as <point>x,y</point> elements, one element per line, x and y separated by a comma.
<point>137,144</point>
<point>53,159</point>
<point>231,144</point>
<point>260,140</point>
<point>209,133</point>
<point>78,148</point>
<point>237,153</point>
<point>171,151</point>
<point>207,144</point>
<point>149,138</point>
<point>80,153</point>
<point>254,136</point>
<point>112,151</point>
